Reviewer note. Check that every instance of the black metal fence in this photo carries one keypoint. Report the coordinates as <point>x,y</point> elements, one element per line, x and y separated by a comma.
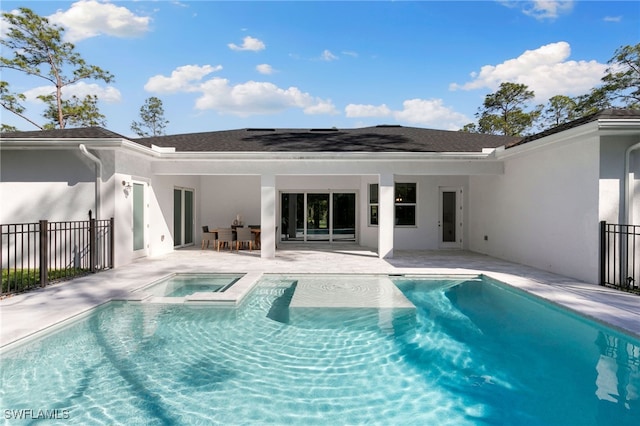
<point>620,256</point>
<point>34,254</point>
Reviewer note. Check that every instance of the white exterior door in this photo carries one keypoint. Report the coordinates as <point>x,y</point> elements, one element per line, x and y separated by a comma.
<point>450,224</point>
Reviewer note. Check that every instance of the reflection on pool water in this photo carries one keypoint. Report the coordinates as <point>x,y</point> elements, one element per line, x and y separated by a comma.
<point>180,285</point>
<point>472,351</point>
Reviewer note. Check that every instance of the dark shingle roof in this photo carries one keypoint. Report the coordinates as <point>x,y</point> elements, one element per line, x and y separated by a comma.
<point>600,115</point>
<point>79,133</point>
<point>368,139</point>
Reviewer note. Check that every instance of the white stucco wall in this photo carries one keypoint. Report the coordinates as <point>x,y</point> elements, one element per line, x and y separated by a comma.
<point>423,236</point>
<point>612,157</point>
<point>55,185</point>
<point>544,210</point>
<point>222,198</point>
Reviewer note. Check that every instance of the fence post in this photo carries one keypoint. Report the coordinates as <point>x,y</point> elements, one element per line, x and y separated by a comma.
<point>44,249</point>
<point>112,241</point>
<point>92,244</point>
<point>603,251</point>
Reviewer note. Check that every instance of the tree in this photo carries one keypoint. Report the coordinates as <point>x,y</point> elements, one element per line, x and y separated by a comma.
<point>38,50</point>
<point>76,112</point>
<point>469,128</point>
<point>503,111</point>
<point>559,110</point>
<point>621,84</point>
<point>622,79</point>
<point>152,115</point>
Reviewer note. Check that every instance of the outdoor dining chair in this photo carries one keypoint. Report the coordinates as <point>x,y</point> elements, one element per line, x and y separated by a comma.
<point>225,235</point>
<point>244,235</point>
<point>208,237</point>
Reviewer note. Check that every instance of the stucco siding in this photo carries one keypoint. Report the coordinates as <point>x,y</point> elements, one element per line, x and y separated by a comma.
<point>55,185</point>
<point>543,211</point>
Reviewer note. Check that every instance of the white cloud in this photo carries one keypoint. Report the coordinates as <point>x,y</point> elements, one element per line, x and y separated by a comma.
<point>248,43</point>
<point>430,112</point>
<point>183,79</point>
<point>612,19</point>
<point>424,112</point>
<point>547,9</point>
<point>255,97</point>
<point>328,56</point>
<point>356,110</point>
<point>265,69</point>
<point>545,70</point>
<point>90,18</point>
<point>245,99</point>
<point>541,9</point>
<point>81,89</point>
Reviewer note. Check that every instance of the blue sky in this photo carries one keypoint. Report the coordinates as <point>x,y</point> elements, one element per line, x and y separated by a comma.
<point>225,65</point>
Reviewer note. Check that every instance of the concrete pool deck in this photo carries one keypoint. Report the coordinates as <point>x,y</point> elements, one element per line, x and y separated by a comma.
<point>24,314</point>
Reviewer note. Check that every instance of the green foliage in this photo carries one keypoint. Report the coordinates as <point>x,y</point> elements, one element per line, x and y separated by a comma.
<point>559,110</point>
<point>621,84</point>
<point>469,128</point>
<point>622,81</point>
<point>19,280</point>
<point>153,122</point>
<point>503,111</point>
<point>38,50</point>
<point>76,112</point>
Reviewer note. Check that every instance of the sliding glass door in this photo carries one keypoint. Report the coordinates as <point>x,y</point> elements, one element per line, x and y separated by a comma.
<point>183,217</point>
<point>317,217</point>
<point>325,216</point>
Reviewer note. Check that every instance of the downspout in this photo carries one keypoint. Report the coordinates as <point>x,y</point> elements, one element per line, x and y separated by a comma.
<point>98,163</point>
<point>627,207</point>
<point>627,210</point>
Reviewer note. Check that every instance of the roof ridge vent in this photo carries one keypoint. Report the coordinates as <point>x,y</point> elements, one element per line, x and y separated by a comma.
<point>388,125</point>
<point>328,129</point>
<point>258,129</point>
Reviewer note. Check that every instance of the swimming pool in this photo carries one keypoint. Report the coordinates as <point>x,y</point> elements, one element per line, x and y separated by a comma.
<point>471,351</point>
<point>180,285</point>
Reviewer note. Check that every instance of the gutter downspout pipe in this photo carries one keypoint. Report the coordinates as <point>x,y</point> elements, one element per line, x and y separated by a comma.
<point>98,163</point>
<point>627,206</point>
<point>627,210</point>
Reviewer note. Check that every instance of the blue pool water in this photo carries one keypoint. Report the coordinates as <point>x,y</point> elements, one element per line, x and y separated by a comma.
<point>180,285</point>
<point>472,353</point>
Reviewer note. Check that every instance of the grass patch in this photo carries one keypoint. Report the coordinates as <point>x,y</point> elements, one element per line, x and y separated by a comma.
<point>19,280</point>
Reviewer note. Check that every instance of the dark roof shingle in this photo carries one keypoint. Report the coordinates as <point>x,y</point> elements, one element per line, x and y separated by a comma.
<point>600,115</point>
<point>368,139</point>
<point>73,133</point>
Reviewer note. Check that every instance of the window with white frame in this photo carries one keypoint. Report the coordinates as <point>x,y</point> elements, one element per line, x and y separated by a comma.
<point>405,204</point>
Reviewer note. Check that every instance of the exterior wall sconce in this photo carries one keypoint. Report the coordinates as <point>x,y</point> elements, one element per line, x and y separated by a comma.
<point>126,185</point>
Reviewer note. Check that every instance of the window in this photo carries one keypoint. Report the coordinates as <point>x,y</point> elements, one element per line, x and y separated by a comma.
<point>373,204</point>
<point>405,204</point>
<point>405,200</point>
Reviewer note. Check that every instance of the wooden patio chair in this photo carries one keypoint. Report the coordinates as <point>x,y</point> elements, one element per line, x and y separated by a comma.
<point>208,237</point>
<point>244,235</point>
<point>225,235</point>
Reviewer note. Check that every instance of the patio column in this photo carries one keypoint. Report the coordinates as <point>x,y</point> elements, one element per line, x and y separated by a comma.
<point>268,217</point>
<point>386,215</point>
